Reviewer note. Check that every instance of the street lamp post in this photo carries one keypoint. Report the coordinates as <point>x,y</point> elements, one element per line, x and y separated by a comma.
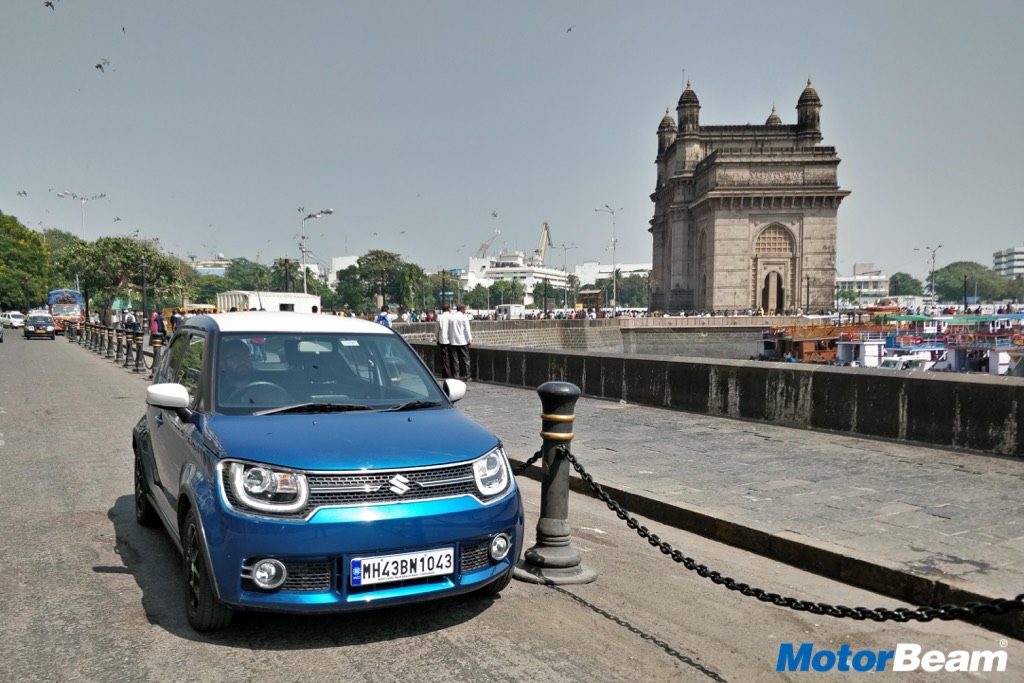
<point>565,250</point>
<point>302,241</point>
<point>145,313</point>
<point>615,287</point>
<point>965,293</point>
<point>933,267</point>
<point>64,194</point>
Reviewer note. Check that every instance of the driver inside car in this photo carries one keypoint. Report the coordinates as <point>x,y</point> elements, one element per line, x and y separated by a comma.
<point>235,368</point>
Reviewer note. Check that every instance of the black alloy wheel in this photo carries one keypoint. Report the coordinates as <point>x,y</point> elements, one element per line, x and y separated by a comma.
<point>144,512</point>
<point>203,611</point>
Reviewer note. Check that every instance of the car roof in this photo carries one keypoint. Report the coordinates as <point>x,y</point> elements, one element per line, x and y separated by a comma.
<point>284,321</point>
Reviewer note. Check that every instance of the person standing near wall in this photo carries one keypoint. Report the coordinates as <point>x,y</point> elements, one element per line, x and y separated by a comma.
<point>461,338</point>
<point>443,341</point>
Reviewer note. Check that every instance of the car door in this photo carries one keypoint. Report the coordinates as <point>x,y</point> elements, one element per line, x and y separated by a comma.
<point>176,440</point>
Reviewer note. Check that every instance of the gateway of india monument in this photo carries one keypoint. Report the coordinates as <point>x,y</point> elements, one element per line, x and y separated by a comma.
<point>744,216</point>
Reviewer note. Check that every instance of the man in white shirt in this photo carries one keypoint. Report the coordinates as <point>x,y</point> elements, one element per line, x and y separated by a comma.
<point>460,338</point>
<point>443,344</point>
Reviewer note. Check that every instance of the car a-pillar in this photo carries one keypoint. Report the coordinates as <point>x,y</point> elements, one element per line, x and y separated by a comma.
<point>553,560</point>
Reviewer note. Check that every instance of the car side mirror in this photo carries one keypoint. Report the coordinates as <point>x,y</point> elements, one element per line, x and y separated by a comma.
<point>454,389</point>
<point>169,395</point>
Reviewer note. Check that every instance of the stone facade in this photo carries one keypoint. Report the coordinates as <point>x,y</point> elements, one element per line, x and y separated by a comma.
<point>744,216</point>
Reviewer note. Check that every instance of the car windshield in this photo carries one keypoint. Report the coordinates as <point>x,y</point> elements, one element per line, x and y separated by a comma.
<point>40,319</point>
<point>320,373</point>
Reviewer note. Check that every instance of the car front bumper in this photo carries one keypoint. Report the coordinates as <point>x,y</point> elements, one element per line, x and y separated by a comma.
<point>317,553</point>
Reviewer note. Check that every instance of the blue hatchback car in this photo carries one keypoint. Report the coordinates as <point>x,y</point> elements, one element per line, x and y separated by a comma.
<point>311,463</point>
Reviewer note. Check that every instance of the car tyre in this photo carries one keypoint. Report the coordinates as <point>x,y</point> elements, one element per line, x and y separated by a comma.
<point>204,612</point>
<point>145,514</point>
<point>497,585</point>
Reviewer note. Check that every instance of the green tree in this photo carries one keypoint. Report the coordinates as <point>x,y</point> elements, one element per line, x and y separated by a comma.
<point>949,282</point>
<point>476,298</point>
<point>203,289</point>
<point>247,275</point>
<point>633,291</point>
<point>351,291</point>
<point>903,284</point>
<point>110,266</point>
<point>1015,289</point>
<point>286,276</point>
<point>380,272</point>
<point>24,272</point>
<point>507,292</point>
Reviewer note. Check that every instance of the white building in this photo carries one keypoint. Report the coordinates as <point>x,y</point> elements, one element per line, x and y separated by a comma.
<point>1009,262</point>
<point>339,263</point>
<point>592,271</point>
<point>869,284</point>
<point>512,266</point>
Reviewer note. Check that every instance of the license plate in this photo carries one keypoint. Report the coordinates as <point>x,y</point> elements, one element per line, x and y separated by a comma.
<point>365,571</point>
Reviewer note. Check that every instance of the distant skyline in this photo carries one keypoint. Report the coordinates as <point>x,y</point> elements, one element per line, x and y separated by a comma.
<point>426,127</point>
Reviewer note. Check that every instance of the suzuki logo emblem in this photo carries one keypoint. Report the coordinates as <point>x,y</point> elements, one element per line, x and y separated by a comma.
<point>399,485</point>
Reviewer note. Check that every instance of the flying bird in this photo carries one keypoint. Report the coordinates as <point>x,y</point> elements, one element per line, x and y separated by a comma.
<point>117,218</point>
<point>100,67</point>
<point>494,214</point>
<point>49,4</point>
<point>569,30</point>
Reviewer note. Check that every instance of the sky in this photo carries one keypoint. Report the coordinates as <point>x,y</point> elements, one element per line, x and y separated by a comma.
<point>427,126</point>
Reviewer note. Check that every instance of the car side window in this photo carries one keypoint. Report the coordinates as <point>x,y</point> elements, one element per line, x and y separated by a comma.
<point>185,365</point>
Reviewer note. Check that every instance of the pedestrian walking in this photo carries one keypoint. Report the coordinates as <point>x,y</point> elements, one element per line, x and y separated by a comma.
<point>460,338</point>
<point>443,343</point>
<point>384,317</point>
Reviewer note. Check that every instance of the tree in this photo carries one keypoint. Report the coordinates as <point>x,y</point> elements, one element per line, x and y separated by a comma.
<point>507,292</point>
<point>1015,289</point>
<point>286,276</point>
<point>204,289</point>
<point>633,291</point>
<point>247,275</point>
<point>903,284</point>
<point>949,282</point>
<point>848,296</point>
<point>111,265</point>
<point>24,273</point>
<point>476,298</point>
<point>351,291</point>
<point>380,271</point>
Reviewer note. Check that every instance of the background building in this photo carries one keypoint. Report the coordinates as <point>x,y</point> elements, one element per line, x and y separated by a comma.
<point>869,284</point>
<point>1009,262</point>
<point>744,216</point>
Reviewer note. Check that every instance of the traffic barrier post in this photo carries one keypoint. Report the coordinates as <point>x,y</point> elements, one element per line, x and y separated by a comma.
<point>553,560</point>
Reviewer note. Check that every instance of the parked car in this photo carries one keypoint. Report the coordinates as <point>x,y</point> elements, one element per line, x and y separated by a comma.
<point>332,474</point>
<point>40,325</point>
<point>12,319</point>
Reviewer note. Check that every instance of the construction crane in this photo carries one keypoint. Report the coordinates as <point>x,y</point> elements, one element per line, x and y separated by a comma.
<point>545,242</point>
<point>482,251</point>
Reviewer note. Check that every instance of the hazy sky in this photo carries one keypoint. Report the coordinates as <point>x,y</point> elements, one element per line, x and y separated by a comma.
<point>213,121</point>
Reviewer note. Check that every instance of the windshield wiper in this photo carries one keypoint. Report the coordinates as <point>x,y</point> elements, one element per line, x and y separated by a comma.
<point>412,405</point>
<point>315,408</point>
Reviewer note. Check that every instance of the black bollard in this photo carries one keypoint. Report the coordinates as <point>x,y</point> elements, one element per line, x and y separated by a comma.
<point>110,342</point>
<point>140,338</point>
<point>129,344</point>
<point>119,355</point>
<point>157,341</point>
<point>553,560</point>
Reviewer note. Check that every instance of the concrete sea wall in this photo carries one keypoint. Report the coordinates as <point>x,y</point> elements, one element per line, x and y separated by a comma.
<point>971,412</point>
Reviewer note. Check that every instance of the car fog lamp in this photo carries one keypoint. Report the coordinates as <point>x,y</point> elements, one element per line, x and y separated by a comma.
<point>269,574</point>
<point>500,546</point>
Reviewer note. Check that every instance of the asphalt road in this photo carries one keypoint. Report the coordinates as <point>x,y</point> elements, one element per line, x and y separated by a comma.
<point>91,596</point>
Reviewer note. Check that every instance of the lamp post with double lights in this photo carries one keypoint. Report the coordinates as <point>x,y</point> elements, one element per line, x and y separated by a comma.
<point>615,284</point>
<point>933,267</point>
<point>64,194</point>
<point>302,240</point>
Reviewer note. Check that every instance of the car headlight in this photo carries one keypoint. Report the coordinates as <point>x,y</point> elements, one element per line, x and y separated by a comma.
<point>491,473</point>
<point>49,328</point>
<point>30,328</point>
<point>266,488</point>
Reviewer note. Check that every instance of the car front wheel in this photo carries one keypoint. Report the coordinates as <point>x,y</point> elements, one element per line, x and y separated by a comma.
<point>144,512</point>
<point>497,585</point>
<point>203,610</point>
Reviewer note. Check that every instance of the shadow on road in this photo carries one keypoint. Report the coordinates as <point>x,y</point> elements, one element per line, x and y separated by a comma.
<point>152,559</point>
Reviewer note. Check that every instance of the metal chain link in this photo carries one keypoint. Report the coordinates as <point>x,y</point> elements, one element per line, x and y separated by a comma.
<point>522,468</point>
<point>900,614</point>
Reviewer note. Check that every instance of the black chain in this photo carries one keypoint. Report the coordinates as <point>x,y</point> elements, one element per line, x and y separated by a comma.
<point>522,468</point>
<point>900,614</point>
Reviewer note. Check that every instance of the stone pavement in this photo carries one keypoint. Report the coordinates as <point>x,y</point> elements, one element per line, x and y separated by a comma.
<point>916,523</point>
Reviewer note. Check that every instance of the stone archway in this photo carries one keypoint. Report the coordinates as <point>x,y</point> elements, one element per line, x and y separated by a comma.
<point>774,269</point>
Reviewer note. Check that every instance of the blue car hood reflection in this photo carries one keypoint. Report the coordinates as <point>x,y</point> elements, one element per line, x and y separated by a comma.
<point>353,440</point>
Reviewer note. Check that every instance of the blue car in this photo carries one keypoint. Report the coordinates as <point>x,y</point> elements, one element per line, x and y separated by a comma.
<point>311,464</point>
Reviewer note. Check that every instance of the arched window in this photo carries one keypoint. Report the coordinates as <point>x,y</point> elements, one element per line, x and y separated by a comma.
<point>774,239</point>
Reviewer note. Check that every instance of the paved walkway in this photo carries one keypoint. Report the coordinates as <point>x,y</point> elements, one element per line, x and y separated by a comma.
<point>913,522</point>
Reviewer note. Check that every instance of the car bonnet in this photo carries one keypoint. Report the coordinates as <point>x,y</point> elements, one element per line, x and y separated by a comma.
<point>357,440</point>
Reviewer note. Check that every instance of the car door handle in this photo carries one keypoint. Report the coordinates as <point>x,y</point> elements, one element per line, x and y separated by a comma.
<point>159,419</point>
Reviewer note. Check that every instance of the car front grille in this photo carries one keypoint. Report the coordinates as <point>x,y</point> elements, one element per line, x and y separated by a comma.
<point>347,489</point>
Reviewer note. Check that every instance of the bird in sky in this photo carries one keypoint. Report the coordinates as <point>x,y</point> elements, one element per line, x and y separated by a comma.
<point>569,30</point>
<point>494,214</point>
<point>49,4</point>
<point>117,218</point>
<point>100,67</point>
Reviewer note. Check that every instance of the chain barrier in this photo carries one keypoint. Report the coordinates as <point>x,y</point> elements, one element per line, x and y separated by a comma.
<point>899,614</point>
<point>522,468</point>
